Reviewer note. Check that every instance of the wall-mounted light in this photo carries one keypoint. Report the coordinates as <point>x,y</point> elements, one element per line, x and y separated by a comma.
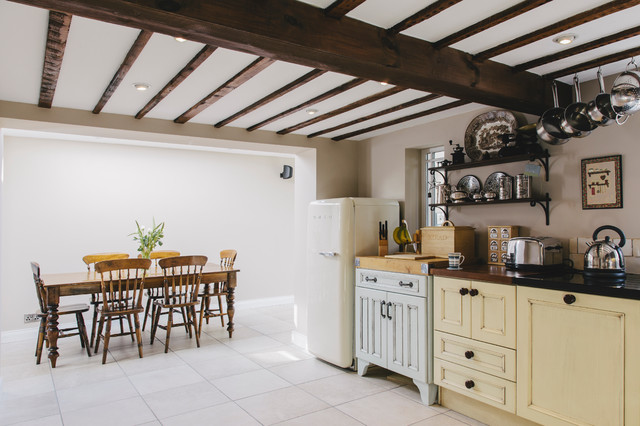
<point>141,86</point>
<point>565,39</point>
<point>287,172</point>
<point>312,111</point>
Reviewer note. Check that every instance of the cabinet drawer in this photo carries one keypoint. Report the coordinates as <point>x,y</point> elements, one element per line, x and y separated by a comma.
<point>392,281</point>
<point>485,388</point>
<point>490,359</point>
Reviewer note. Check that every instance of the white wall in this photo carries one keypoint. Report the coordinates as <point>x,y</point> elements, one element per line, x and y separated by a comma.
<point>63,199</point>
<point>388,169</point>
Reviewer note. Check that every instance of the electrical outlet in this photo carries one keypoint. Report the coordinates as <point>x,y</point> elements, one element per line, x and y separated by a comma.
<point>31,318</point>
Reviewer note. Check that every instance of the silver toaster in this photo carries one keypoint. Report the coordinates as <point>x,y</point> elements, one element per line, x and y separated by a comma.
<point>534,253</point>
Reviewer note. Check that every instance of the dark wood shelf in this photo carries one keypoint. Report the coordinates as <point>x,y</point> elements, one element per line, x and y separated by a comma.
<point>513,200</point>
<point>542,157</point>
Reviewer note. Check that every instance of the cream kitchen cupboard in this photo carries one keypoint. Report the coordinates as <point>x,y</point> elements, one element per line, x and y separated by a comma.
<point>578,358</point>
<point>475,340</point>
<point>393,326</point>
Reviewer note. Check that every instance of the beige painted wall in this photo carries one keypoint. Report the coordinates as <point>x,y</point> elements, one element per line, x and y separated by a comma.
<point>390,169</point>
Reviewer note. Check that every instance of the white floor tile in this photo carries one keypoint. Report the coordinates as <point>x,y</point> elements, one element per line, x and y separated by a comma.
<point>28,408</point>
<point>386,408</point>
<point>253,344</point>
<point>20,388</point>
<point>249,384</point>
<point>55,420</point>
<point>149,363</point>
<point>223,414</point>
<point>440,420</point>
<point>283,404</point>
<point>163,379</point>
<point>224,367</point>
<point>239,332</point>
<point>95,394</point>
<point>464,419</point>
<point>184,399</point>
<point>132,411</point>
<point>205,353</point>
<point>273,326</point>
<point>329,416</point>
<point>306,371</point>
<point>279,355</point>
<point>64,378</point>
<point>343,388</point>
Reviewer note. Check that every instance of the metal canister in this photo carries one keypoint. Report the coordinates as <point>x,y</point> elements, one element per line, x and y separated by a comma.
<point>505,188</point>
<point>523,186</point>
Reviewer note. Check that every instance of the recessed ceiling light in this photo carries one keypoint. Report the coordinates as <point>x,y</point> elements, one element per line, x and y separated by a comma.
<point>312,111</point>
<point>565,38</point>
<point>384,83</point>
<point>181,39</point>
<point>141,86</point>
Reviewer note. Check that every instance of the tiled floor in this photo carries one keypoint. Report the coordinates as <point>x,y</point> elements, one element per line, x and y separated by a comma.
<point>258,377</point>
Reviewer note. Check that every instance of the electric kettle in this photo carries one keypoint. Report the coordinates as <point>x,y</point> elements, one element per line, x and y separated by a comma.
<point>604,260</point>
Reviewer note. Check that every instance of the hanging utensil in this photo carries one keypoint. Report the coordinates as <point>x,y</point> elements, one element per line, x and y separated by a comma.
<point>600,110</point>
<point>576,122</point>
<point>625,93</point>
<point>548,127</point>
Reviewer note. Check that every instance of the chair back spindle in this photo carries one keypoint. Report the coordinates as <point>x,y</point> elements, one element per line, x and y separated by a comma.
<point>122,283</point>
<point>182,276</point>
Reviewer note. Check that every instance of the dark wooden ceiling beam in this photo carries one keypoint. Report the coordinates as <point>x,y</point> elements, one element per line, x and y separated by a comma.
<point>604,41</point>
<point>227,87</point>
<point>185,72</point>
<point>339,8</point>
<point>324,96</point>
<point>311,75</point>
<point>565,24</point>
<point>386,111</point>
<point>341,110</point>
<point>614,57</point>
<point>126,65</point>
<point>422,15</point>
<point>489,22</point>
<point>296,32</point>
<point>401,120</point>
<point>57,33</point>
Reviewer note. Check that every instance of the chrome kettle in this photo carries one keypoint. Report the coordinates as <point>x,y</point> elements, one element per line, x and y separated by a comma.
<point>604,259</point>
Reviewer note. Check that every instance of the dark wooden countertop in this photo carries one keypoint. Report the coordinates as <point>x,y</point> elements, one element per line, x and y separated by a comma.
<point>492,273</point>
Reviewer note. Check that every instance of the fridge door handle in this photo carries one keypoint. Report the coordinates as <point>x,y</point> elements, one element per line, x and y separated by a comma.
<point>328,253</point>
<point>382,308</point>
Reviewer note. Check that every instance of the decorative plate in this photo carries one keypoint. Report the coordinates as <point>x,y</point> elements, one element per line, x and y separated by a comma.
<point>492,184</point>
<point>470,184</point>
<point>484,133</point>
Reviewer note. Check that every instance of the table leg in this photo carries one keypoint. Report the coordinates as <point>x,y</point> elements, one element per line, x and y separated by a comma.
<point>230,309</point>
<point>53,300</point>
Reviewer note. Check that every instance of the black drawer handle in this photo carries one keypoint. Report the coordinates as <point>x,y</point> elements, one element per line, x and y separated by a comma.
<point>473,292</point>
<point>409,284</point>
<point>469,354</point>
<point>382,309</point>
<point>569,299</point>
<point>388,313</point>
<point>464,291</point>
<point>371,280</point>
<point>469,384</point>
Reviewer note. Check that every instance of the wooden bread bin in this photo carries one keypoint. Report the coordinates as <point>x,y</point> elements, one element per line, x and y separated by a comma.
<point>441,240</point>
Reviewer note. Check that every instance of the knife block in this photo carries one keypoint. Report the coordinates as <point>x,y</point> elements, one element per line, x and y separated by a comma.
<point>383,247</point>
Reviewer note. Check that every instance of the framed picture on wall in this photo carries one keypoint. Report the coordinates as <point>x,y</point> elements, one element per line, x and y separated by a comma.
<point>602,182</point>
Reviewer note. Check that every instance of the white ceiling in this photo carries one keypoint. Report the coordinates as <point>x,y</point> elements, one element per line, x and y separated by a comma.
<point>95,50</point>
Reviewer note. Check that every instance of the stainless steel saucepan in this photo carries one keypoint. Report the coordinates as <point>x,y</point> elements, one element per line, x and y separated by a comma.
<point>600,110</point>
<point>548,127</point>
<point>576,122</point>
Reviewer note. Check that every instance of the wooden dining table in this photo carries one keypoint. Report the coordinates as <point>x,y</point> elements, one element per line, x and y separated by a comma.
<point>88,282</point>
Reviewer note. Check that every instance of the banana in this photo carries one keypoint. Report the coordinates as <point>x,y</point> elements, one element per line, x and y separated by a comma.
<point>396,235</point>
<point>401,234</point>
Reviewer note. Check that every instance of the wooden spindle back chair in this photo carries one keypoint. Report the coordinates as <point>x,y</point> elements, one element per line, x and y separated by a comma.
<point>92,259</point>
<point>182,277</point>
<point>154,294</point>
<point>217,290</point>
<point>77,309</point>
<point>122,285</point>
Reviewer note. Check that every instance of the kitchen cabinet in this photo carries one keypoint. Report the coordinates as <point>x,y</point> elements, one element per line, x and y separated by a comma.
<point>542,201</point>
<point>475,340</point>
<point>577,358</point>
<point>393,327</point>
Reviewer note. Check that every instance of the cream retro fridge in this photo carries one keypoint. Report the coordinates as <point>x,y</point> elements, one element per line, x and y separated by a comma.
<point>340,229</point>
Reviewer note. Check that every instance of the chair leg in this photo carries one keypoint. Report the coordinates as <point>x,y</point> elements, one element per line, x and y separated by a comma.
<point>184,320</point>
<point>155,322</point>
<point>169,324</point>
<point>40,342</point>
<point>82,330</point>
<point>94,323</point>
<point>208,301</point>
<point>202,307</point>
<point>107,336</point>
<point>99,332</point>
<point>138,333</point>
<point>220,309</point>
<point>193,322</point>
<point>146,311</point>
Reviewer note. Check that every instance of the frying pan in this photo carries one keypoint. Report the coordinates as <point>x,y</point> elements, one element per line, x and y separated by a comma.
<point>600,110</point>
<point>548,127</point>
<point>576,121</point>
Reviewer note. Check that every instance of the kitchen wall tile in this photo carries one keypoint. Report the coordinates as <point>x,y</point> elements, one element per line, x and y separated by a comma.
<point>578,260</point>
<point>627,250</point>
<point>573,245</point>
<point>635,244</point>
<point>582,244</point>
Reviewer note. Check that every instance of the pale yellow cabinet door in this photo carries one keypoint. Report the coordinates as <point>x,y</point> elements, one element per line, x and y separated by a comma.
<point>452,306</point>
<point>571,358</point>
<point>371,327</point>
<point>493,313</point>
<point>407,335</point>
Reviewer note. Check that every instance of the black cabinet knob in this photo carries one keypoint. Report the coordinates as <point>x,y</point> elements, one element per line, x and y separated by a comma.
<point>469,384</point>
<point>569,299</point>
<point>464,291</point>
<point>469,354</point>
<point>473,292</point>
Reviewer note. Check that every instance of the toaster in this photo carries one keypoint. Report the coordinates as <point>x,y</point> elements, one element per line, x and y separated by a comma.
<point>534,253</point>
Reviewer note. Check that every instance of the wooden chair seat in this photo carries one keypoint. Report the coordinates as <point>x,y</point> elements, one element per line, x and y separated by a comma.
<point>217,291</point>
<point>154,294</point>
<point>182,277</point>
<point>122,285</point>
<point>76,309</point>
